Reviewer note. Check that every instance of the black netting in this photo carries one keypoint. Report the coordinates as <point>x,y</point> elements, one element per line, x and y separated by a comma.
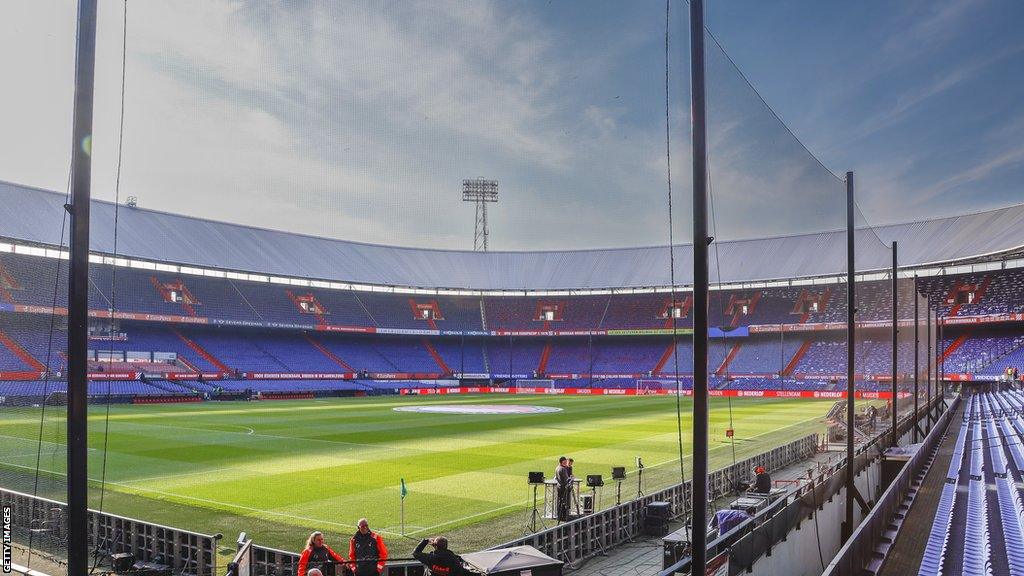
<point>384,261</point>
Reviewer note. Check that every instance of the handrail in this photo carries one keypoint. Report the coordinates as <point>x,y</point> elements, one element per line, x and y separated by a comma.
<point>851,557</point>
<point>589,535</point>
<point>810,495</point>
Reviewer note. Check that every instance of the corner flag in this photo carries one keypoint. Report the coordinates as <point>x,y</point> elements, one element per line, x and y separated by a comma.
<point>405,491</point>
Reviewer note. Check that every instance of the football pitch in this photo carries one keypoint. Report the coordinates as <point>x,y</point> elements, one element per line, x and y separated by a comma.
<point>279,469</point>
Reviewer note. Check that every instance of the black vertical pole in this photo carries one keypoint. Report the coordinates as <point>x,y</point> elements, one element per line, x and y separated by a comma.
<point>895,345</point>
<point>78,292</point>
<point>700,291</point>
<point>851,311</point>
<point>917,354</point>
<point>928,352</point>
<point>940,347</point>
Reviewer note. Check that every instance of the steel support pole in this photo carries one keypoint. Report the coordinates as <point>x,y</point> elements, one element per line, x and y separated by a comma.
<point>700,291</point>
<point>928,352</point>
<point>485,231</point>
<point>78,293</point>
<point>917,355</point>
<point>940,347</point>
<point>895,344</point>
<point>851,313</point>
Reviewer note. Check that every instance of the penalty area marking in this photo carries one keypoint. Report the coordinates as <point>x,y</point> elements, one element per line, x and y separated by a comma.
<point>501,409</point>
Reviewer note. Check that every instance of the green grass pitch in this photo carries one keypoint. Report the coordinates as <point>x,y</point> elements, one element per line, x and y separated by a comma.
<point>278,470</point>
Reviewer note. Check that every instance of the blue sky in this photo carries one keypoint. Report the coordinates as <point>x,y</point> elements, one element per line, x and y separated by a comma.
<point>922,99</point>
<point>359,120</point>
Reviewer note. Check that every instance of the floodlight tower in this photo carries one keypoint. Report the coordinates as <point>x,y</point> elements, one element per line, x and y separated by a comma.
<point>480,191</point>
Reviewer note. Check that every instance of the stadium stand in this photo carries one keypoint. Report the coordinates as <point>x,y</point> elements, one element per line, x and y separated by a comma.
<point>234,325</point>
<point>977,524</point>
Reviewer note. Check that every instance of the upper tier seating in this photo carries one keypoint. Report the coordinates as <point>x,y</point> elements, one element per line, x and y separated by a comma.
<point>32,282</point>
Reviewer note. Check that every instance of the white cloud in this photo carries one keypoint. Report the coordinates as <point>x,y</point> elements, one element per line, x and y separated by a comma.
<point>358,120</point>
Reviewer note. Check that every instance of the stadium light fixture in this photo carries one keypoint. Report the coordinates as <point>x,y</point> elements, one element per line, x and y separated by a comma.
<point>481,192</point>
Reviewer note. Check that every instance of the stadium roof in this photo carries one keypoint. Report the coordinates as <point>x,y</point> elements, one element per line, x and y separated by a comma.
<point>32,215</point>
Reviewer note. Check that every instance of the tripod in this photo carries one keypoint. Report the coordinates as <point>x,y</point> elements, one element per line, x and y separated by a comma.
<point>640,480</point>
<point>535,515</point>
<point>574,493</point>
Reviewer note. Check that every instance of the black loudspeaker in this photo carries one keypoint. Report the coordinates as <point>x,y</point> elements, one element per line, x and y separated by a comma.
<point>122,562</point>
<point>655,527</point>
<point>656,517</point>
<point>660,510</point>
<point>536,477</point>
<point>619,473</point>
<point>594,481</point>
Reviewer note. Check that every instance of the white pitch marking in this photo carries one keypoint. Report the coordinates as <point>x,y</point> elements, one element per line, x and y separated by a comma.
<point>315,521</point>
<point>525,502</point>
<point>251,432</point>
<point>25,455</point>
<point>37,441</point>
<point>476,409</point>
<point>165,476</point>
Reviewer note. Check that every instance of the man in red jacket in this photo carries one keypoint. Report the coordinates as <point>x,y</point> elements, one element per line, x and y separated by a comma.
<point>366,551</point>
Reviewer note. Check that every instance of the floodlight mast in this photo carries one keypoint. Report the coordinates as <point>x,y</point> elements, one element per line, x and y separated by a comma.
<point>481,192</point>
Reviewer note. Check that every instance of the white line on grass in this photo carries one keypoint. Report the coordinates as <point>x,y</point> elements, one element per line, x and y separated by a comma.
<point>328,522</point>
<point>523,503</point>
<point>37,441</point>
<point>725,446</point>
<point>315,521</point>
<point>251,432</point>
<point>165,476</point>
<point>25,455</point>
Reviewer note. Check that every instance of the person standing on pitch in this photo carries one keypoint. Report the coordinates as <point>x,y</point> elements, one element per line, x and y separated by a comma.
<point>442,562</point>
<point>318,556</point>
<point>366,551</point>
<point>563,476</point>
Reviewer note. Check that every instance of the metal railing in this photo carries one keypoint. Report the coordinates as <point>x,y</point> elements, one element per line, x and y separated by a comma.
<point>584,537</point>
<point>859,549</point>
<point>751,540</point>
<point>184,551</point>
<point>264,561</point>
